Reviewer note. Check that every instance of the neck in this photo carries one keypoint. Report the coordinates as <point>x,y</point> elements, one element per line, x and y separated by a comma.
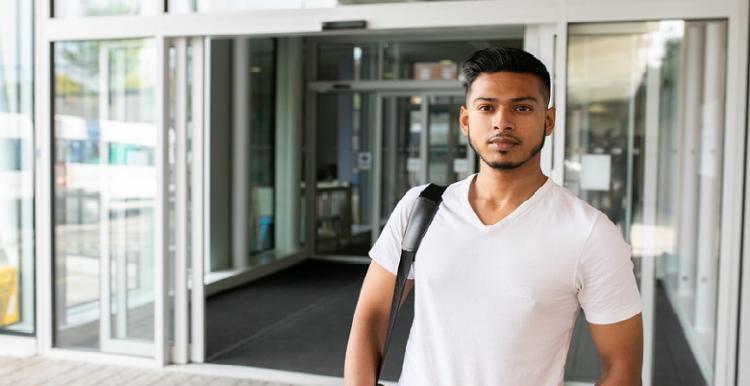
<point>504,185</point>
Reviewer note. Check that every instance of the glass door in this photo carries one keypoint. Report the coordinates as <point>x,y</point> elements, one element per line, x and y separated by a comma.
<point>344,173</point>
<point>421,142</point>
<point>449,157</point>
<point>105,195</point>
<point>403,126</point>
<point>644,134</point>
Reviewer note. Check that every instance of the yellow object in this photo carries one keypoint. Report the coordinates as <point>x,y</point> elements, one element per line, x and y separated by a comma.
<point>9,307</point>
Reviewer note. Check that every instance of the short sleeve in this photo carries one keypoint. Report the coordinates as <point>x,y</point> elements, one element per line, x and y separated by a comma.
<point>607,290</point>
<point>387,249</point>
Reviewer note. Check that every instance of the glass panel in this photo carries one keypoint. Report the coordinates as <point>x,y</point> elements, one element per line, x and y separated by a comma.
<point>402,163</point>
<point>262,139</point>
<point>449,158</point>
<point>256,95</point>
<point>86,8</point>
<point>105,187</point>
<point>16,168</point>
<point>344,173</point>
<point>347,61</point>
<point>434,60</point>
<point>628,84</point>
<point>228,5</point>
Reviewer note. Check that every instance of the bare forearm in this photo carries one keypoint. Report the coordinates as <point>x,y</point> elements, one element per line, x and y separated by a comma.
<point>363,352</point>
<point>620,377</point>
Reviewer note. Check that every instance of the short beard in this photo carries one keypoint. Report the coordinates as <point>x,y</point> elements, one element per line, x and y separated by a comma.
<point>507,165</point>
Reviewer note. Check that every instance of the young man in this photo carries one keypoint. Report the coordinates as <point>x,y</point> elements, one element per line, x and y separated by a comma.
<point>508,261</point>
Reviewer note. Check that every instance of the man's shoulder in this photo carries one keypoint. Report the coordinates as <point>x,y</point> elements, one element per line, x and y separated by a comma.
<point>573,209</point>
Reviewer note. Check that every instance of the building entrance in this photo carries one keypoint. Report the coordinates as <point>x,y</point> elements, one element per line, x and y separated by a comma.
<point>378,145</point>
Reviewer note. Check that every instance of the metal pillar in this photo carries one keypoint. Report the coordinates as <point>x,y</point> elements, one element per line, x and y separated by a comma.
<point>688,230</point>
<point>240,155</point>
<point>710,178</point>
<point>288,144</point>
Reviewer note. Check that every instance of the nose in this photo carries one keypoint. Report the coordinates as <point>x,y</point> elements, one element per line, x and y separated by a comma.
<point>503,120</point>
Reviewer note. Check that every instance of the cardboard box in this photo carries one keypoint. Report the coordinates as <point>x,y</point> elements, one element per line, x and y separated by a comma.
<point>445,70</point>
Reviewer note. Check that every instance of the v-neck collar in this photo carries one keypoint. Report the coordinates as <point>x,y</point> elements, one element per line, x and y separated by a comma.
<point>525,205</point>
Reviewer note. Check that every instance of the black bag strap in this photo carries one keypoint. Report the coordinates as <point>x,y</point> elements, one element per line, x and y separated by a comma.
<point>419,220</point>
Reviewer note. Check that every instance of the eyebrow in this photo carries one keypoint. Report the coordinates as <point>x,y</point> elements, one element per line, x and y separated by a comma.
<point>519,99</point>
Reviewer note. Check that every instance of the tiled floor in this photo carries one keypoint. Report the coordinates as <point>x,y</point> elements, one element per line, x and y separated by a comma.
<point>53,372</point>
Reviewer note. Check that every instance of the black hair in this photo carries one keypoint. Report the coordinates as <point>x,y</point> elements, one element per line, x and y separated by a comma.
<point>509,59</point>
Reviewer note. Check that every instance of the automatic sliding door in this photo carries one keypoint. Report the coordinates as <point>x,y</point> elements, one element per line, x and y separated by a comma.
<point>403,127</point>
<point>344,173</point>
<point>644,145</point>
<point>105,195</point>
<point>422,142</point>
<point>449,157</point>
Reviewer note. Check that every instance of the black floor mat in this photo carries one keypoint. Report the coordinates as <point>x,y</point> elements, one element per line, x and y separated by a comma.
<point>296,320</point>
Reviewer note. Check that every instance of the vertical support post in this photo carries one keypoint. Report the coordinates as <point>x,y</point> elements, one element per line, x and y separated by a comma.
<point>198,189</point>
<point>43,129</point>
<point>424,140</point>
<point>240,154</point>
<point>161,244</point>
<point>376,149</point>
<point>630,152</point>
<point>559,101</point>
<point>539,40</point>
<point>311,160</point>
<point>105,227</point>
<point>288,144</point>
<point>391,132</point>
<point>688,226</point>
<point>710,177</point>
<point>650,189</point>
<point>181,205</point>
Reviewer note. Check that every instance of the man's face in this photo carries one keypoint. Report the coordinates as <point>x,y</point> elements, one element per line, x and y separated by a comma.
<point>506,119</point>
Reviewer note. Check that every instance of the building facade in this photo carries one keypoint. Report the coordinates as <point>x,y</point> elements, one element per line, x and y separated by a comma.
<point>153,154</point>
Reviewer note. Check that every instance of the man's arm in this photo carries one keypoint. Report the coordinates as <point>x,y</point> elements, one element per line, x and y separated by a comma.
<point>620,347</point>
<point>367,336</point>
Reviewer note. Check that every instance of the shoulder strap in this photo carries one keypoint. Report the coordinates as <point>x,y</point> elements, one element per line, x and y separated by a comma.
<point>419,220</point>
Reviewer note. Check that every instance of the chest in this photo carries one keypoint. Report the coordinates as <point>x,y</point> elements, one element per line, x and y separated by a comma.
<point>517,263</point>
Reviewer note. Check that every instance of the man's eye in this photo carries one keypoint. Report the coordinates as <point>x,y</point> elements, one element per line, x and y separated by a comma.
<point>485,108</point>
<point>523,108</point>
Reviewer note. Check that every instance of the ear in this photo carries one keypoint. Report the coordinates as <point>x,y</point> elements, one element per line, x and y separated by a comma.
<point>463,120</point>
<point>549,120</point>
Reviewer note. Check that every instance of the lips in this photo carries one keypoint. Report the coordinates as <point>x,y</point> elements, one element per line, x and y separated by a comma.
<point>502,143</point>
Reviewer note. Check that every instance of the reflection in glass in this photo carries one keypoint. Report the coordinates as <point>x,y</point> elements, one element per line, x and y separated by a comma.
<point>86,8</point>
<point>629,84</point>
<point>347,61</point>
<point>16,168</point>
<point>230,5</point>
<point>105,186</point>
<point>449,158</point>
<point>402,163</point>
<point>262,139</point>
<point>242,135</point>
<point>434,60</point>
<point>395,60</point>
<point>344,173</point>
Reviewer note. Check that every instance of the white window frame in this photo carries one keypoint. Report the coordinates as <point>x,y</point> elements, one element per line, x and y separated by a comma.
<point>447,14</point>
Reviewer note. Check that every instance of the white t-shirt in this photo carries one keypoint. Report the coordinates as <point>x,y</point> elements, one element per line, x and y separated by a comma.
<point>496,304</point>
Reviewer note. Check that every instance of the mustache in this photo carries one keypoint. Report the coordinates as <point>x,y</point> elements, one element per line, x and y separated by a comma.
<point>503,137</point>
